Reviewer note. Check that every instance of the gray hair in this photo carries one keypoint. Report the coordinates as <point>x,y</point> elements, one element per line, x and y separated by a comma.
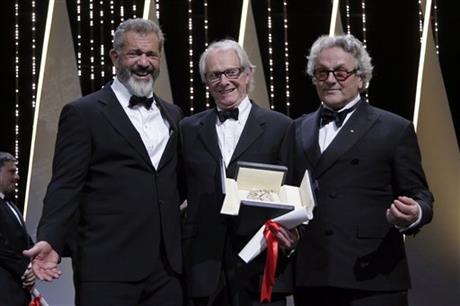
<point>6,157</point>
<point>138,25</point>
<point>227,44</point>
<point>349,44</point>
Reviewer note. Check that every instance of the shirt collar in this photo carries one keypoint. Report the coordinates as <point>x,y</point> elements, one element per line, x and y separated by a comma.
<point>347,106</point>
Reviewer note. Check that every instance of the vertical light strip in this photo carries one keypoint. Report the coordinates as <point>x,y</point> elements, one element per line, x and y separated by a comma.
<point>333,24</point>
<point>79,59</point>
<point>157,9</point>
<point>420,19</point>
<point>206,43</point>
<point>190,54</point>
<point>134,9</point>
<point>34,54</point>
<point>112,28</point>
<point>347,7</point>
<point>271,85</point>
<point>16,89</point>
<point>421,65</point>
<point>101,43</point>
<point>364,20</point>
<point>122,12</point>
<point>91,42</point>
<point>44,55</point>
<point>436,37</point>
<point>286,57</point>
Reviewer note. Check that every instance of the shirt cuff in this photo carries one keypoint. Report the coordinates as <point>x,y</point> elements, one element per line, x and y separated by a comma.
<point>416,222</point>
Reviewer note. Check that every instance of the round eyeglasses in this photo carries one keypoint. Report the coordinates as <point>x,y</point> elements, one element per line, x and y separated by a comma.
<point>339,74</point>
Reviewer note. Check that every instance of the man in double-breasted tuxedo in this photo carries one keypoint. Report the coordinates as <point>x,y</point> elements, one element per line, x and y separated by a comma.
<point>16,276</point>
<point>115,168</point>
<point>212,142</point>
<point>370,187</point>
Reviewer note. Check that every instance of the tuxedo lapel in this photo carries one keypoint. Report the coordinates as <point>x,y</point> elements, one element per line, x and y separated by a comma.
<point>208,135</point>
<point>120,122</point>
<point>253,128</point>
<point>9,215</point>
<point>171,146</point>
<point>355,128</point>
<point>308,136</point>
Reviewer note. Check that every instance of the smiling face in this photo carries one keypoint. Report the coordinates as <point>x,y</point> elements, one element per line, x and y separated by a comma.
<point>333,93</point>
<point>138,63</point>
<point>227,92</point>
<point>8,177</point>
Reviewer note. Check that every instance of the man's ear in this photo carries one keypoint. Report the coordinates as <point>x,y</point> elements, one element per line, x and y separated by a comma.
<point>114,56</point>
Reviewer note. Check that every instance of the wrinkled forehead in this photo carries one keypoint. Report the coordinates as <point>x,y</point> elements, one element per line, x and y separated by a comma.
<point>335,57</point>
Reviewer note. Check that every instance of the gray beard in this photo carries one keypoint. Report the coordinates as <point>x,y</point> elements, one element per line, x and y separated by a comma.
<point>137,88</point>
<point>140,88</point>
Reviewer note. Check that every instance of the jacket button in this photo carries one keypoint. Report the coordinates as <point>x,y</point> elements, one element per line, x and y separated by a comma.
<point>355,161</point>
<point>333,195</point>
<point>328,233</point>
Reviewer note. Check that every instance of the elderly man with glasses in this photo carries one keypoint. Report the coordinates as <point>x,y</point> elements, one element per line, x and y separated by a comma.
<point>213,141</point>
<point>369,183</point>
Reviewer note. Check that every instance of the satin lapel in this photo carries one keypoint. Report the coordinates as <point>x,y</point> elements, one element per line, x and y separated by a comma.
<point>117,117</point>
<point>253,128</point>
<point>171,146</point>
<point>355,128</point>
<point>308,136</point>
<point>9,215</point>
<point>208,135</point>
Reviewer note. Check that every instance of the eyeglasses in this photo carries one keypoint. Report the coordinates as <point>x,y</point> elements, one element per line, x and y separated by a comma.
<point>230,73</point>
<point>339,74</point>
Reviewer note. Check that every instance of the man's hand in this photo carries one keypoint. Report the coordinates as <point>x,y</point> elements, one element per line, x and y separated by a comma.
<point>28,278</point>
<point>44,261</point>
<point>287,239</point>
<point>403,212</point>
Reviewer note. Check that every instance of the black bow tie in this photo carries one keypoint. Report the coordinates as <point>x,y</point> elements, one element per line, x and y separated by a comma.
<point>328,115</point>
<point>135,100</point>
<point>227,114</point>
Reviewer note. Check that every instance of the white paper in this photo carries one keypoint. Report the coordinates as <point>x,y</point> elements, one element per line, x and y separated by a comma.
<point>289,220</point>
<point>36,293</point>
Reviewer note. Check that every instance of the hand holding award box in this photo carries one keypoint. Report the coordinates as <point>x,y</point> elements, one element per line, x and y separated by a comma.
<point>258,195</point>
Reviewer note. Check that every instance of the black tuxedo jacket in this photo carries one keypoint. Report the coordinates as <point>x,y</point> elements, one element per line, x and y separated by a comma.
<point>13,240</point>
<point>205,230</point>
<point>373,159</point>
<point>102,173</point>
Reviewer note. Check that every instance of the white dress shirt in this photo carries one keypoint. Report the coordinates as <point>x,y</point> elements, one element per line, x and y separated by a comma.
<point>328,132</point>
<point>229,131</point>
<point>152,127</point>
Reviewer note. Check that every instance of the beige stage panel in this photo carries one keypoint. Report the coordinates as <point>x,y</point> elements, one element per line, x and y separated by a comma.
<point>58,84</point>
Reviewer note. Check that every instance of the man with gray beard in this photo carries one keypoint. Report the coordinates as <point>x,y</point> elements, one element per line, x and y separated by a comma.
<point>115,168</point>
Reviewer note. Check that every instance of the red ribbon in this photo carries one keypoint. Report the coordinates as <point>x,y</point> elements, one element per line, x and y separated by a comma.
<point>36,301</point>
<point>270,231</point>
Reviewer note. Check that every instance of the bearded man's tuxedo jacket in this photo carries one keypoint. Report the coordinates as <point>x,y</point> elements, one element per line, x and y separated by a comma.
<point>128,211</point>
